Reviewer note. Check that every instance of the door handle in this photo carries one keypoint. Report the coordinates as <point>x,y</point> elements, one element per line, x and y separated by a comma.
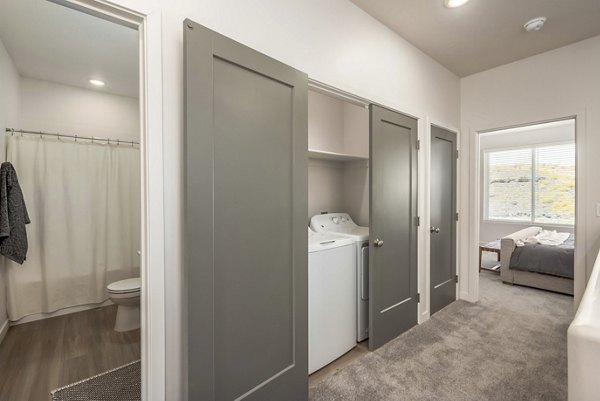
<point>378,243</point>
<point>435,230</point>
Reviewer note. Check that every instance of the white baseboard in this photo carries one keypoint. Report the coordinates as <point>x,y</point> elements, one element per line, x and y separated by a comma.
<point>60,312</point>
<point>4,330</point>
<point>464,295</point>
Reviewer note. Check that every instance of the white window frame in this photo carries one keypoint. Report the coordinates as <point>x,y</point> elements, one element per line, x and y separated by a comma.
<point>486,183</point>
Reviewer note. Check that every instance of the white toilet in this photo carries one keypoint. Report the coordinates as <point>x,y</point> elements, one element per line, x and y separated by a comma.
<point>126,294</point>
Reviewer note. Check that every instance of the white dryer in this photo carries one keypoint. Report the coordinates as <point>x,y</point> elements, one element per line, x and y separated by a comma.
<point>331,298</point>
<point>342,224</point>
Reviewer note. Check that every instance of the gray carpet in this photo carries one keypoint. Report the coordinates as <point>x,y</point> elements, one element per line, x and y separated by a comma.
<point>120,384</point>
<point>511,345</point>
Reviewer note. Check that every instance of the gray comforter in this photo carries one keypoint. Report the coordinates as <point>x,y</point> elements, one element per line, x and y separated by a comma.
<point>555,260</point>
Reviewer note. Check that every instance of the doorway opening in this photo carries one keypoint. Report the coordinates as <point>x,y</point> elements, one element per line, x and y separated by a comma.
<point>76,126</point>
<point>527,207</point>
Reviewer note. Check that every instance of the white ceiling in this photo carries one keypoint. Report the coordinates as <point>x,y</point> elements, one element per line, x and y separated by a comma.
<point>53,43</point>
<point>486,33</point>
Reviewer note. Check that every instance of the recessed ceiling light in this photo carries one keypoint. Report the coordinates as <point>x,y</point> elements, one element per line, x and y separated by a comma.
<point>455,3</point>
<point>96,82</point>
<point>535,24</point>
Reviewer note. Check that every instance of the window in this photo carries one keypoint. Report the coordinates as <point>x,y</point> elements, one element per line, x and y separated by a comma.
<point>534,184</point>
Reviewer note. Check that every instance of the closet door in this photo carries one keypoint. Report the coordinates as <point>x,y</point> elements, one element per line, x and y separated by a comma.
<point>443,219</point>
<point>245,215</point>
<point>393,226</point>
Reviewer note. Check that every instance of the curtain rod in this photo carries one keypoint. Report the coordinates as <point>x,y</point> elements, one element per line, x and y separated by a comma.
<point>76,137</point>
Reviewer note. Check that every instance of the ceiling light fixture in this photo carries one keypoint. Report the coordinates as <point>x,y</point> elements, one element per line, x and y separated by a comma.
<point>455,3</point>
<point>535,24</point>
<point>96,82</point>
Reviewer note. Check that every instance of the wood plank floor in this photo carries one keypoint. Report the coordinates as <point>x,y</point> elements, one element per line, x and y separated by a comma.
<point>41,356</point>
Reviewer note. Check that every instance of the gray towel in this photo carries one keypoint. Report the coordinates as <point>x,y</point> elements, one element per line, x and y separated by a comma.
<point>13,215</point>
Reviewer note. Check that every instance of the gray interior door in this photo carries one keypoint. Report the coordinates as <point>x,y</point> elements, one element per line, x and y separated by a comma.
<point>245,215</point>
<point>393,225</point>
<point>443,219</point>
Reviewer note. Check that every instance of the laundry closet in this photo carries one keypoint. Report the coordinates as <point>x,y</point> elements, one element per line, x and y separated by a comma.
<point>338,209</point>
<point>265,151</point>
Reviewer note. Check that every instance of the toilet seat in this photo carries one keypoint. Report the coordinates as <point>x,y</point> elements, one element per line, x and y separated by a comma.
<point>125,286</point>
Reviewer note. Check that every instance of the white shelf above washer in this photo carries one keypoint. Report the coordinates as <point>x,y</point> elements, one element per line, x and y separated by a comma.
<point>338,157</point>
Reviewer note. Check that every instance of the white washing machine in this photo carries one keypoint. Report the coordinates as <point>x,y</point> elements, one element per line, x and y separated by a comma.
<point>331,298</point>
<point>342,224</point>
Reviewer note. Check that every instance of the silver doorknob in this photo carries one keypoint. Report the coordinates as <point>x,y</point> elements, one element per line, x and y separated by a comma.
<point>378,243</point>
<point>434,230</point>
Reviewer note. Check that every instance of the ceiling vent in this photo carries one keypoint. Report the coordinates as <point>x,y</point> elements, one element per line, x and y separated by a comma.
<point>535,24</point>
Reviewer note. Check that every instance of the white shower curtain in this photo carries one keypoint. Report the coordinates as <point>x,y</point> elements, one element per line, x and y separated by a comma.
<point>83,199</point>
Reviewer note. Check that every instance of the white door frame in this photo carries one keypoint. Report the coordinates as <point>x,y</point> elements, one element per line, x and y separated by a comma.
<point>152,267</point>
<point>471,270</point>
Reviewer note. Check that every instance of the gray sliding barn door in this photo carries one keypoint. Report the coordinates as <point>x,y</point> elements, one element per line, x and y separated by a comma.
<point>393,226</point>
<point>245,217</point>
<point>443,219</point>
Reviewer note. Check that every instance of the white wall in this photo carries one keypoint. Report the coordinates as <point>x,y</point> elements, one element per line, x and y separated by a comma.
<point>356,130</point>
<point>556,132</point>
<point>325,123</point>
<point>334,42</point>
<point>559,83</point>
<point>339,187</point>
<point>51,107</point>
<point>9,107</point>
<point>356,191</point>
<point>325,187</point>
<point>9,95</point>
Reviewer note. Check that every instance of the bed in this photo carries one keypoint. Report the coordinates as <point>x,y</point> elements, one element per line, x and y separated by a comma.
<point>534,265</point>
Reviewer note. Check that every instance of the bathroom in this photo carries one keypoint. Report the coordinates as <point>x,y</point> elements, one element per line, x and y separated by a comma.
<point>70,143</point>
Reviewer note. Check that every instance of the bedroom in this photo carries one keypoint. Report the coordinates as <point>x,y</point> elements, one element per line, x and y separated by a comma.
<point>527,205</point>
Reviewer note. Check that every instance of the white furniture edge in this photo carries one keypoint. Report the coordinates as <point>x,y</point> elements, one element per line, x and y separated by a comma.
<point>584,343</point>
